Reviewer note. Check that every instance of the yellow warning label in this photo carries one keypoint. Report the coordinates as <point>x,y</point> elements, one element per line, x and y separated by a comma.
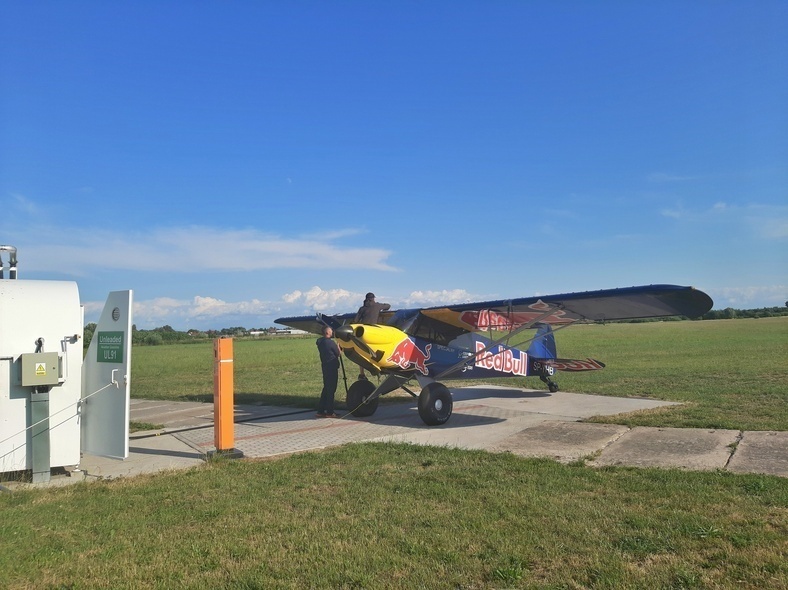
<point>41,369</point>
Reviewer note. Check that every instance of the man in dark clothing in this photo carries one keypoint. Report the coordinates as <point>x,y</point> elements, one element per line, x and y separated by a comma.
<point>369,313</point>
<point>329,360</point>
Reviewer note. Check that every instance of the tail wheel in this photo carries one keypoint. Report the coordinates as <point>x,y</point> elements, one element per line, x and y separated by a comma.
<point>357,396</point>
<point>435,404</point>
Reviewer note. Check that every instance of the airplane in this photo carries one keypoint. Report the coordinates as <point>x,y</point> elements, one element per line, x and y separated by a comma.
<point>476,340</point>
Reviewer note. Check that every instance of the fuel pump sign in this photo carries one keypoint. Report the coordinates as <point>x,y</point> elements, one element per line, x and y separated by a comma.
<point>110,347</point>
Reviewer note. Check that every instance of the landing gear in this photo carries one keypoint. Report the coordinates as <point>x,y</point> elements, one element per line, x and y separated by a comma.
<point>435,404</point>
<point>545,375</point>
<point>357,396</point>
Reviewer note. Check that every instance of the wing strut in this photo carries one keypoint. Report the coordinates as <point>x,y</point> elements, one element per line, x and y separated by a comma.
<point>508,336</point>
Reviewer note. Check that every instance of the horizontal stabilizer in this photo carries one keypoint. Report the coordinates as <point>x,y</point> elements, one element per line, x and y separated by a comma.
<point>575,365</point>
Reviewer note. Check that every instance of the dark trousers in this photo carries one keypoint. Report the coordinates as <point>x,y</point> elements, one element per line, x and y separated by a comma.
<point>330,379</point>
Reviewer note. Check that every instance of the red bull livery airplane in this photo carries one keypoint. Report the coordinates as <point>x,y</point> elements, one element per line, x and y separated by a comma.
<point>477,340</point>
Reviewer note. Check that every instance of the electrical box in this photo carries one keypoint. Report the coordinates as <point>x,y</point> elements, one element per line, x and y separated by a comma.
<point>41,368</point>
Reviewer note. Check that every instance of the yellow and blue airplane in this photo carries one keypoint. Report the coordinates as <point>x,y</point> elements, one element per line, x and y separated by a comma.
<point>477,340</point>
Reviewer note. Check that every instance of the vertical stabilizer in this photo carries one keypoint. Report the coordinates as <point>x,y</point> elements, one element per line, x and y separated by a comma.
<point>543,345</point>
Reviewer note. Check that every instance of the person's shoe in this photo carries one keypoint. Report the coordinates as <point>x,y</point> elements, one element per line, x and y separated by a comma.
<point>320,415</point>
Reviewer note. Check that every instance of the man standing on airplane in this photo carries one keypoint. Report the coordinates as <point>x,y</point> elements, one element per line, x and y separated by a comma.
<point>369,313</point>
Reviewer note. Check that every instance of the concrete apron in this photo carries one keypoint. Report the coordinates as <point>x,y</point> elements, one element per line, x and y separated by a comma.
<point>499,419</point>
<point>482,418</point>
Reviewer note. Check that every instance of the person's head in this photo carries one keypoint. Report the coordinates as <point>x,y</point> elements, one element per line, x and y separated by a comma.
<point>328,332</point>
<point>370,297</point>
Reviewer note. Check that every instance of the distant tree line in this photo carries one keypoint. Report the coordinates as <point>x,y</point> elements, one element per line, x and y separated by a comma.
<point>731,314</point>
<point>169,335</point>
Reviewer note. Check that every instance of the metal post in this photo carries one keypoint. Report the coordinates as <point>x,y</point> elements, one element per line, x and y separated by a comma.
<point>39,440</point>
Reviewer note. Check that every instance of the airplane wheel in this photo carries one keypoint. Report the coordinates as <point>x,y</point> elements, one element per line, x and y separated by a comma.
<point>356,394</point>
<point>435,404</point>
<point>553,387</point>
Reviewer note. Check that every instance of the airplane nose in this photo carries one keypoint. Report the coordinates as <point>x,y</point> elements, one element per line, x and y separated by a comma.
<point>344,333</point>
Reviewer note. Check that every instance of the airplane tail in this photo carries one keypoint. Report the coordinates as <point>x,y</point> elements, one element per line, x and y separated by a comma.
<point>543,345</point>
<point>543,353</point>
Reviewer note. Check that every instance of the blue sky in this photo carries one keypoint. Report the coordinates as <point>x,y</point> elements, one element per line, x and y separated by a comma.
<point>233,162</point>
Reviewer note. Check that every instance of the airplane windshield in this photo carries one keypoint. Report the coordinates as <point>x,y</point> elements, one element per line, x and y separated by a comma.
<point>415,323</point>
<point>404,319</point>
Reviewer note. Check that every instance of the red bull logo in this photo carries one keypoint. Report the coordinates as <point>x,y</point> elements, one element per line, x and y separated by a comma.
<point>503,361</point>
<point>407,354</point>
<point>485,319</point>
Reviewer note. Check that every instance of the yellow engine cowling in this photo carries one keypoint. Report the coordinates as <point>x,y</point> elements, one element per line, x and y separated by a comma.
<point>374,343</point>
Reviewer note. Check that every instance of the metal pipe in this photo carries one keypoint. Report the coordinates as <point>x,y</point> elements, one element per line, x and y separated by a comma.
<point>12,261</point>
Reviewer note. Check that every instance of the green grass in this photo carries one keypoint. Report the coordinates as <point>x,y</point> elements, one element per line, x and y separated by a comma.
<point>728,373</point>
<point>400,516</point>
<point>282,371</point>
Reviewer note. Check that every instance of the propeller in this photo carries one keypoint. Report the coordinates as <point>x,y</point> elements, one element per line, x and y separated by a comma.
<point>328,320</point>
<point>346,334</point>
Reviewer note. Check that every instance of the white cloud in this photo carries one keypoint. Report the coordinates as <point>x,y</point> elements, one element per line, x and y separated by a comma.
<point>328,301</point>
<point>190,249</point>
<point>744,297</point>
<point>435,298</point>
<point>183,313</point>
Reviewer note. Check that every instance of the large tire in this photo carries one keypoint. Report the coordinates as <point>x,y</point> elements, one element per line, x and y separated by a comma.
<point>435,404</point>
<point>356,396</point>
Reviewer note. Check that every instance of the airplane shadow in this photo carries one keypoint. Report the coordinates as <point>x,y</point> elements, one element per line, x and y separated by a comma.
<point>395,411</point>
<point>482,392</point>
<point>412,421</point>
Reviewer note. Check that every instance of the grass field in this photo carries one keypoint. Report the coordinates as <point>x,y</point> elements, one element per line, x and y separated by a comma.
<point>402,516</point>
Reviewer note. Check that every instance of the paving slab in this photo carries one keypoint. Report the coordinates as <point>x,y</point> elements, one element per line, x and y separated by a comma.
<point>562,404</point>
<point>685,448</point>
<point>562,441</point>
<point>149,452</point>
<point>761,452</point>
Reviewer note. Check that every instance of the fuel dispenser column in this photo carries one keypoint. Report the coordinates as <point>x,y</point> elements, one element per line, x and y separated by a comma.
<point>223,406</point>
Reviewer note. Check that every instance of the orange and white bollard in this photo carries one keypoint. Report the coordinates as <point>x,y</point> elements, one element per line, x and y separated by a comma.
<point>223,406</point>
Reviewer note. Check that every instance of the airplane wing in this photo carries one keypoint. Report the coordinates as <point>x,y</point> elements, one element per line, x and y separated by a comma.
<point>314,323</point>
<point>444,323</point>
<point>651,301</point>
